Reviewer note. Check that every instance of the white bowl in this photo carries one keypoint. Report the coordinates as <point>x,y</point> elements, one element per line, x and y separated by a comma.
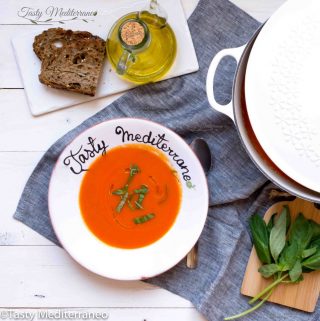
<point>118,263</point>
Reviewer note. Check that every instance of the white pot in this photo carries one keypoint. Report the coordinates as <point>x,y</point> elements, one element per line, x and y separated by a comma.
<point>237,111</point>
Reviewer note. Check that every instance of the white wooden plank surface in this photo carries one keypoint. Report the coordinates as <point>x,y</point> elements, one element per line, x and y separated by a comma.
<point>33,272</point>
<point>50,274</point>
<point>259,9</point>
<point>20,131</point>
<point>113,314</point>
<point>10,78</point>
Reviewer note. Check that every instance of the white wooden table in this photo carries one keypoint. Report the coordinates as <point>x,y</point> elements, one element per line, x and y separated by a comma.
<point>36,275</point>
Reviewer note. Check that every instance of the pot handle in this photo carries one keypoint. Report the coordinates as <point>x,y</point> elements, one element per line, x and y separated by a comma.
<point>236,54</point>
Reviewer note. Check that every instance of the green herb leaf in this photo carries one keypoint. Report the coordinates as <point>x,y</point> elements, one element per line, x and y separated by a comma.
<point>285,210</point>
<point>315,229</point>
<point>260,238</point>
<point>301,232</point>
<point>278,235</point>
<point>120,191</point>
<point>130,205</point>
<point>289,256</point>
<point>312,262</point>
<point>142,193</point>
<point>300,278</point>
<point>122,202</point>
<point>268,270</point>
<point>123,192</point>
<point>143,219</point>
<point>271,222</point>
<point>142,190</point>
<point>308,252</point>
<point>288,217</point>
<point>295,272</point>
<point>306,270</point>
<point>315,243</point>
<point>134,169</point>
<point>138,205</point>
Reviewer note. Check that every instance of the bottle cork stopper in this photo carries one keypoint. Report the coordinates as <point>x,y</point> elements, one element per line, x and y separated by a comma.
<point>132,33</point>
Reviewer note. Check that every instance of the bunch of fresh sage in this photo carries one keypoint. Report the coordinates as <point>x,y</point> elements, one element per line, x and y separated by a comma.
<point>286,250</point>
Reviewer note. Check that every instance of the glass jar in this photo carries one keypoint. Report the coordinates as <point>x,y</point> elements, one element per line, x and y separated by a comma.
<point>141,46</point>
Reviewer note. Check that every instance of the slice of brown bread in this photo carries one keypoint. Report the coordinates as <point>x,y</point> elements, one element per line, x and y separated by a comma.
<point>71,60</point>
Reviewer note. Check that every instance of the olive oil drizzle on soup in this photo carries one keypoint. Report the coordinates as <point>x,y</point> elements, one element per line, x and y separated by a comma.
<point>130,197</point>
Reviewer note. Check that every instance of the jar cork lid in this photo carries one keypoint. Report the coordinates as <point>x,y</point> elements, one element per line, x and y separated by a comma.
<point>132,33</point>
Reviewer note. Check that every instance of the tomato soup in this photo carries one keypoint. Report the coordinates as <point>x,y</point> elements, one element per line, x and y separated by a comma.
<point>130,197</point>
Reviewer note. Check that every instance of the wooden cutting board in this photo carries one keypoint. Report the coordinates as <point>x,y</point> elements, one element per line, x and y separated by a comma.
<point>302,296</point>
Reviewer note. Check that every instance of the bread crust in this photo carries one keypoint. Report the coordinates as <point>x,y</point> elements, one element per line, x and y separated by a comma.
<point>70,60</point>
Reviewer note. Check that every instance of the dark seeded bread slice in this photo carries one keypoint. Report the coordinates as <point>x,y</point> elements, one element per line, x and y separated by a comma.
<point>44,44</point>
<point>71,60</point>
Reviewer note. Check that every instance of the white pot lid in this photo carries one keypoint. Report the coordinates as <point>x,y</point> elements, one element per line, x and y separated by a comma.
<point>282,90</point>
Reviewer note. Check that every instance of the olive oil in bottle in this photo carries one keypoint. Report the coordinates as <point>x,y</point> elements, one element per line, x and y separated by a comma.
<point>141,46</point>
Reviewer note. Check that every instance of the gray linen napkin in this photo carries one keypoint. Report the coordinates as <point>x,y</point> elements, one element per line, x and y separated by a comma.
<point>237,188</point>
